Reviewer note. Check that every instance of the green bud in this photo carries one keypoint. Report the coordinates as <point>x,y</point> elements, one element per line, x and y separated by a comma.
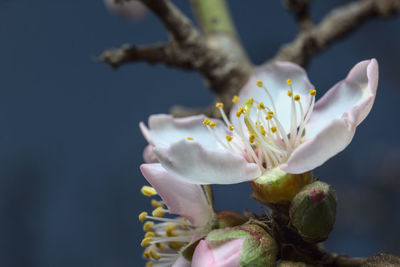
<point>227,218</point>
<point>313,211</point>
<point>259,248</point>
<point>277,186</point>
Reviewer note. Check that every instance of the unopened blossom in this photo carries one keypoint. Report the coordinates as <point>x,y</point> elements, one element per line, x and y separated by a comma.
<point>166,236</point>
<point>275,122</point>
<point>127,9</point>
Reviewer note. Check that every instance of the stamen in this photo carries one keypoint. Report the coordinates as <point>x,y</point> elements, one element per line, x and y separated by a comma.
<point>149,263</point>
<point>150,234</point>
<point>273,129</point>
<point>230,127</point>
<point>235,99</point>
<point>289,82</point>
<point>296,98</point>
<point>142,216</point>
<point>146,254</point>
<point>169,230</point>
<point>159,212</point>
<point>313,93</point>
<point>148,226</point>
<point>260,84</point>
<point>228,138</point>
<point>212,124</point>
<point>156,203</point>
<point>289,93</point>
<point>206,121</point>
<point>148,191</point>
<point>251,138</point>
<point>146,242</point>
<point>155,255</point>
<point>190,138</point>
<point>219,105</point>
<point>239,112</point>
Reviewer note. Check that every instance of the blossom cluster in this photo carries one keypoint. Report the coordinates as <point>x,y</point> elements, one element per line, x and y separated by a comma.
<point>275,128</point>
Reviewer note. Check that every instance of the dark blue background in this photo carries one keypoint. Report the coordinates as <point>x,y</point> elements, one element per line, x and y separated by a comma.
<point>70,146</point>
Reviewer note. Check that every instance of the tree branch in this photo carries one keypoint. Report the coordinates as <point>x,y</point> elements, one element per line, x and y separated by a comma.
<point>338,23</point>
<point>300,8</point>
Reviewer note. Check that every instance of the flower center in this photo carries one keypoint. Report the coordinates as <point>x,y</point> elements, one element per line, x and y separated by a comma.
<point>164,240</point>
<point>262,135</point>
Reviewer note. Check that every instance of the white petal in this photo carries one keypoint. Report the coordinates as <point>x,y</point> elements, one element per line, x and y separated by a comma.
<point>164,130</point>
<point>274,77</point>
<point>182,198</point>
<point>335,118</point>
<point>200,165</point>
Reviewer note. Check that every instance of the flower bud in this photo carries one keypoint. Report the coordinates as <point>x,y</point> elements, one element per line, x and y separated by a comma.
<point>245,245</point>
<point>277,186</point>
<point>313,211</point>
<point>227,218</point>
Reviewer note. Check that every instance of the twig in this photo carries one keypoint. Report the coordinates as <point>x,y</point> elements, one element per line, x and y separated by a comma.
<point>300,9</point>
<point>338,23</point>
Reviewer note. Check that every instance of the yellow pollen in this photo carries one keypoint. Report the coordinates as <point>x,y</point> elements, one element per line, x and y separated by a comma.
<point>156,203</point>
<point>252,137</point>
<point>270,113</point>
<point>146,254</point>
<point>289,93</point>
<point>268,117</point>
<point>150,234</point>
<point>148,226</point>
<point>261,106</point>
<point>206,121</point>
<point>146,242</point>
<point>259,83</point>
<point>313,92</point>
<point>212,124</point>
<point>273,129</point>
<point>149,263</point>
<point>175,245</point>
<point>230,127</point>
<point>288,81</point>
<point>169,230</point>
<point>158,212</point>
<point>160,246</point>
<point>190,138</point>
<point>148,191</point>
<point>219,105</point>
<point>235,99</point>
<point>155,255</point>
<point>239,112</point>
<point>228,138</point>
<point>296,97</point>
<point>263,132</point>
<point>142,216</point>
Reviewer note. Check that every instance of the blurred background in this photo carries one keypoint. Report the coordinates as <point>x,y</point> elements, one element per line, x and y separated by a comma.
<point>70,146</point>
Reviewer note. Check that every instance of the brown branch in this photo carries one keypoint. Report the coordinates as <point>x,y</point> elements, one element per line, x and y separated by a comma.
<point>300,8</point>
<point>338,23</point>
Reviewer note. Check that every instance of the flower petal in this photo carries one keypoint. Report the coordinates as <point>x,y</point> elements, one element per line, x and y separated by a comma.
<point>197,164</point>
<point>182,198</point>
<point>223,255</point>
<point>181,262</point>
<point>165,129</point>
<point>335,118</point>
<point>148,155</point>
<point>274,77</point>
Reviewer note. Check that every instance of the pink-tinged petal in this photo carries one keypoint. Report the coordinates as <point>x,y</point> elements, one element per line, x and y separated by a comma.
<point>164,130</point>
<point>335,118</point>
<point>197,164</point>
<point>314,152</point>
<point>126,9</point>
<point>148,155</point>
<point>353,98</point>
<point>224,255</point>
<point>181,262</point>
<point>274,77</point>
<point>181,198</point>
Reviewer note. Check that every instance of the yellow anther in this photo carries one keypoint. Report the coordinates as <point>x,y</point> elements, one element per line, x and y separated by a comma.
<point>206,121</point>
<point>219,105</point>
<point>288,81</point>
<point>252,137</point>
<point>261,106</point>
<point>158,212</point>
<point>263,132</point>
<point>155,255</point>
<point>190,138</point>
<point>296,97</point>
<point>230,127</point>
<point>270,113</point>
<point>146,242</point>
<point>146,254</point>
<point>313,92</point>
<point>150,234</point>
<point>160,246</point>
<point>148,226</point>
<point>184,226</point>
<point>228,138</point>
<point>156,203</point>
<point>175,245</point>
<point>149,263</point>
<point>239,112</point>
<point>235,99</point>
<point>273,129</point>
<point>259,83</point>
<point>148,191</point>
<point>268,117</point>
<point>289,93</point>
<point>169,230</point>
<point>142,216</point>
<point>212,124</point>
